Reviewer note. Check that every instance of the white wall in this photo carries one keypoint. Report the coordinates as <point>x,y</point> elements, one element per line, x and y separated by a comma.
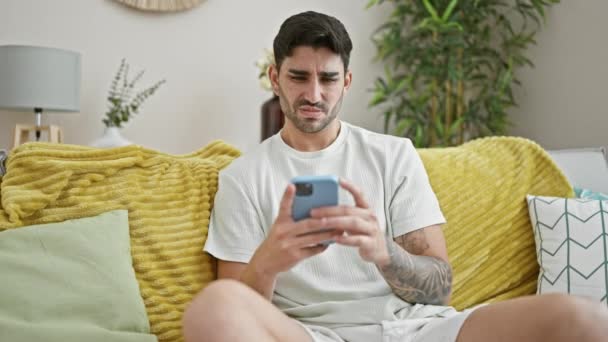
<point>564,99</point>
<point>206,54</point>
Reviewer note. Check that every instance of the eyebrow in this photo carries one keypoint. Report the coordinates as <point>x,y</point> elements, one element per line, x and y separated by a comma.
<point>297,72</point>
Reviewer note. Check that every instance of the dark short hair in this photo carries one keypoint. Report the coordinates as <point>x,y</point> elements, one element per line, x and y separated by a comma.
<point>315,30</point>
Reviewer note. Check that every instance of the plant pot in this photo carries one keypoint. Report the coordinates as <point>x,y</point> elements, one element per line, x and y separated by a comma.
<point>111,138</point>
<point>272,117</point>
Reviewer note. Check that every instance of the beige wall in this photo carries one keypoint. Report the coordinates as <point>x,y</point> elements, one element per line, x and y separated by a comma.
<point>207,56</point>
<point>563,101</point>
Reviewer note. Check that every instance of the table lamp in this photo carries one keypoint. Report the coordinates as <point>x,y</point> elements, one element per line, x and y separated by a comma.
<point>37,79</point>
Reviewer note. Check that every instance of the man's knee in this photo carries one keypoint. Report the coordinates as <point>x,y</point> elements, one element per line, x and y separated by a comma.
<point>218,295</point>
<point>213,307</point>
<point>576,317</point>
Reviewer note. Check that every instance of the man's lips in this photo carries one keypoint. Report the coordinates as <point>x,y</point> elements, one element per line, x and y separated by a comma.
<point>310,112</point>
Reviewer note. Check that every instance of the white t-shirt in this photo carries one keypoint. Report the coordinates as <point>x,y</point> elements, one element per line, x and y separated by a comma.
<point>327,288</point>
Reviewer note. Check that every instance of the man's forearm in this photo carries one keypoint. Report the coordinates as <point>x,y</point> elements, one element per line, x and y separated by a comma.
<point>259,281</point>
<point>416,278</point>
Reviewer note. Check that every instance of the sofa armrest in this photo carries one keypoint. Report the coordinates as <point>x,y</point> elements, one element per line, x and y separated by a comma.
<point>584,167</point>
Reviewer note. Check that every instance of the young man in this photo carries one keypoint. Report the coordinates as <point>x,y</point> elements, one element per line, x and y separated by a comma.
<point>388,278</point>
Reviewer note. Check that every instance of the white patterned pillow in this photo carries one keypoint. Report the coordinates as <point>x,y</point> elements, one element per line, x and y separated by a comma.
<point>571,237</point>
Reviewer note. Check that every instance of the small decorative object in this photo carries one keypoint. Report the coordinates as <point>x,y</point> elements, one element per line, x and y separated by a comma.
<point>123,105</point>
<point>272,115</point>
<point>263,64</point>
<point>3,157</point>
<point>111,138</point>
<point>162,5</point>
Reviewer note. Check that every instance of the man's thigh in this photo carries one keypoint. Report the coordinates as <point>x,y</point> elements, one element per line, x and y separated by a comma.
<point>242,312</point>
<point>549,317</point>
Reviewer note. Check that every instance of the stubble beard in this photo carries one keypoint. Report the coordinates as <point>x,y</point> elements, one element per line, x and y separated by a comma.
<point>309,126</point>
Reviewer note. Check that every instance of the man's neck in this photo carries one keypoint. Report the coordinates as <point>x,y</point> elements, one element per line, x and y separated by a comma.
<point>310,142</point>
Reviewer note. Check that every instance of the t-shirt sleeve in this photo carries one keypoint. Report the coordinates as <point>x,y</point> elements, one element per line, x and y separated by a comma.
<point>235,231</point>
<point>413,203</point>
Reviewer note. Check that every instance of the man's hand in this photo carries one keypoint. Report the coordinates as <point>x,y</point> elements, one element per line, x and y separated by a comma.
<point>425,278</point>
<point>289,242</point>
<point>360,224</point>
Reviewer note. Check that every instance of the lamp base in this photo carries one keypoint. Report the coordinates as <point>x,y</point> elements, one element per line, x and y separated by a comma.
<point>22,133</point>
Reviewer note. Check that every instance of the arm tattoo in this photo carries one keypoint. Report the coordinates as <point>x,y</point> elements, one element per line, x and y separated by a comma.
<point>416,278</point>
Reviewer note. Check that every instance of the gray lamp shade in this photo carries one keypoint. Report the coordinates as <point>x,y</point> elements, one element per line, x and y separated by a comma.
<point>39,77</point>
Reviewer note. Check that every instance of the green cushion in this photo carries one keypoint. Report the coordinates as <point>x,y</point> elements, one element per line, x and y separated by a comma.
<point>71,281</point>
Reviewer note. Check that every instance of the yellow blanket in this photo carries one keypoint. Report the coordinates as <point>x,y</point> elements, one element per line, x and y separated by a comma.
<point>169,200</point>
<point>481,187</point>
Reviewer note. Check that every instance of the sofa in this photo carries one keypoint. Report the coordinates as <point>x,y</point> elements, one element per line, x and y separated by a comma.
<point>58,203</point>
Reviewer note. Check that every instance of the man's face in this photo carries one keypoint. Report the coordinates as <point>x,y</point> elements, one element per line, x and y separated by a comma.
<point>311,86</point>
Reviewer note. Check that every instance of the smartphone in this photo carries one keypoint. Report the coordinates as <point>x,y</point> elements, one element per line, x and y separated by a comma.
<point>313,192</point>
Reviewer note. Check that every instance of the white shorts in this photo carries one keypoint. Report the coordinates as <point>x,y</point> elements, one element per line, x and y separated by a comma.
<point>436,329</point>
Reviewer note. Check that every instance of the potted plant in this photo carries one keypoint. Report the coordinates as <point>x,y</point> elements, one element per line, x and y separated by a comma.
<point>450,66</point>
<point>124,102</point>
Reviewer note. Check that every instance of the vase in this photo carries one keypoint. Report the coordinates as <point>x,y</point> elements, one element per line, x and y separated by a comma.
<point>272,117</point>
<point>111,138</point>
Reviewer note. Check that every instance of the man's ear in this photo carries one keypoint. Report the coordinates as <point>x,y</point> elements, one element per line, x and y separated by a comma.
<point>348,78</point>
<point>273,76</point>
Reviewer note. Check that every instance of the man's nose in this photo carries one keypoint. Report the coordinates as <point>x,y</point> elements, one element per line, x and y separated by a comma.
<point>313,91</point>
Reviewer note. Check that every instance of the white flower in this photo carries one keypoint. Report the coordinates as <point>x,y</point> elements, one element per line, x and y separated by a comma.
<point>265,83</point>
<point>263,64</point>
